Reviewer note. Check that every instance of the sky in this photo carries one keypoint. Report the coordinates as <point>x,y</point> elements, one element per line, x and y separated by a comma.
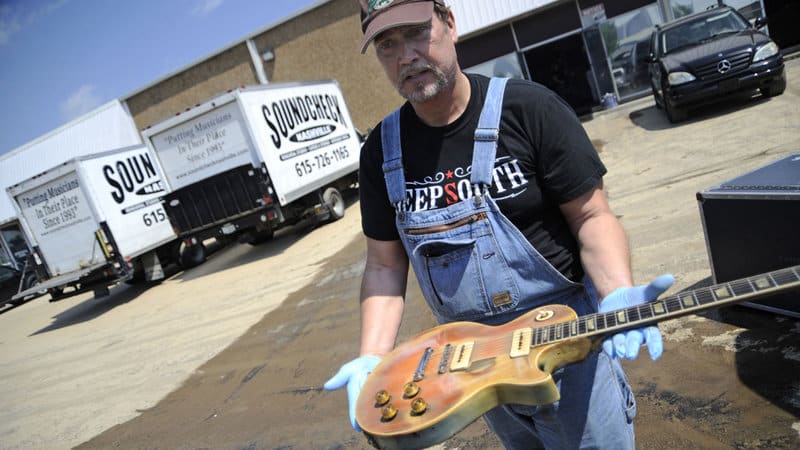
<point>60,59</point>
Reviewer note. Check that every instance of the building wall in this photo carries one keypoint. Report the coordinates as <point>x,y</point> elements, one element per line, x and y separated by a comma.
<point>322,43</point>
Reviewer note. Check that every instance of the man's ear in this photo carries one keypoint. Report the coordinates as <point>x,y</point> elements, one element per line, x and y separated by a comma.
<point>451,24</point>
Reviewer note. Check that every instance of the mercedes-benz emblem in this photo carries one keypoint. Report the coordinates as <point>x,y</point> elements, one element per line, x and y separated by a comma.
<point>723,66</point>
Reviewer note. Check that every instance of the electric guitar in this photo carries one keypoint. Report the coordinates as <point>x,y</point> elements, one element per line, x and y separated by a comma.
<point>434,385</point>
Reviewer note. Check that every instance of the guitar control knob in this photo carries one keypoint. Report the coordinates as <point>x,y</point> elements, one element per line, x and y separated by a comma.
<point>410,389</point>
<point>382,398</point>
<point>389,412</point>
<point>419,406</point>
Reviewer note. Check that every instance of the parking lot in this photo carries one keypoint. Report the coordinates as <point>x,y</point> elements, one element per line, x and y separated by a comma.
<point>232,354</point>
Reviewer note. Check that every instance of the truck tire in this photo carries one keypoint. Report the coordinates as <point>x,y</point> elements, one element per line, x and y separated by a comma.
<point>138,275</point>
<point>334,201</point>
<point>259,237</point>
<point>192,255</point>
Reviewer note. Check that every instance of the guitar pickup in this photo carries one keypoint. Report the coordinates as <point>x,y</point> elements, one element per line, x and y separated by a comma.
<point>521,342</point>
<point>462,356</point>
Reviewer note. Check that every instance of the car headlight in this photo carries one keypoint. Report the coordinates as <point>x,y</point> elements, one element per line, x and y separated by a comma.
<point>766,51</point>
<point>676,78</point>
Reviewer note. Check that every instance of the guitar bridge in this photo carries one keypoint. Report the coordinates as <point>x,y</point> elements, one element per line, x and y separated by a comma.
<point>445,358</point>
<point>423,363</point>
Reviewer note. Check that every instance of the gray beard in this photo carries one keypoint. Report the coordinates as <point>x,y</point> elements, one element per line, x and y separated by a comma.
<point>422,93</point>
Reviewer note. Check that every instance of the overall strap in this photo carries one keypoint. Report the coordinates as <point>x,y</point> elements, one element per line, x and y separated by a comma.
<point>393,158</point>
<point>487,133</point>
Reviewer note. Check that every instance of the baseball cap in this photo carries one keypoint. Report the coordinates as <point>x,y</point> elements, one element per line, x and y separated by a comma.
<point>380,15</point>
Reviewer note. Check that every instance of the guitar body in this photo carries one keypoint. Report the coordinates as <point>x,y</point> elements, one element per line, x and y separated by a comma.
<point>443,379</point>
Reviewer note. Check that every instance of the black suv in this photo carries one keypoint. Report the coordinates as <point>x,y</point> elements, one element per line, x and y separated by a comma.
<point>702,57</point>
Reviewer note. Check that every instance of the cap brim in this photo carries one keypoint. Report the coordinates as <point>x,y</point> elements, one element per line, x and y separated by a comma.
<point>413,13</point>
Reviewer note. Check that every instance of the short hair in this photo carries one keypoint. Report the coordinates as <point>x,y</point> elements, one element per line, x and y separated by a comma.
<point>442,11</point>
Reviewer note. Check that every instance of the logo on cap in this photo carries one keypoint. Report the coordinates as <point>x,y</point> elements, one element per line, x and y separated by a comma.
<point>377,4</point>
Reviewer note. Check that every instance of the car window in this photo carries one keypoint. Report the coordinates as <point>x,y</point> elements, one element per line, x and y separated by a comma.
<point>702,29</point>
<point>6,273</point>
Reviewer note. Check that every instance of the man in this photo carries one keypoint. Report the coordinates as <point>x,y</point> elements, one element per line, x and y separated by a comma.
<point>494,224</point>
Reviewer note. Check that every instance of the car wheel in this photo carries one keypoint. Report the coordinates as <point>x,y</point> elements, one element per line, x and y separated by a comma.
<point>335,203</point>
<point>656,97</point>
<point>674,114</point>
<point>775,88</point>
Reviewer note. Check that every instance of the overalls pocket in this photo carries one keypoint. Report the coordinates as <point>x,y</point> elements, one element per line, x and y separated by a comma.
<point>468,279</point>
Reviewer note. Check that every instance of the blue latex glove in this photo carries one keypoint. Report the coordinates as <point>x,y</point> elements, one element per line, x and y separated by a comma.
<point>627,343</point>
<point>353,374</point>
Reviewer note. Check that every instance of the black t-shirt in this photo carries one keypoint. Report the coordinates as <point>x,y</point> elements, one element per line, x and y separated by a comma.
<point>544,158</point>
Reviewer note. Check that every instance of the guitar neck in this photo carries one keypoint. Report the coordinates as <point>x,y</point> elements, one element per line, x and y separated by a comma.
<point>670,307</point>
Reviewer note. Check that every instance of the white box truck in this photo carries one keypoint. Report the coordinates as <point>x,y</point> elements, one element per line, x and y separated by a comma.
<point>255,159</point>
<point>96,220</point>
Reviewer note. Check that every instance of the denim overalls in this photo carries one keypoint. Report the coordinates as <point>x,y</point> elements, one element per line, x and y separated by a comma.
<point>473,264</point>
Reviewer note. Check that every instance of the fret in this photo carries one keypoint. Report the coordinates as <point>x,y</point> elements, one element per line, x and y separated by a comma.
<point>688,300</point>
<point>573,328</point>
<point>762,282</point>
<point>591,322</point>
<point>622,316</point>
<point>633,314</point>
<point>741,287</point>
<point>721,292</point>
<point>672,304</point>
<point>659,308</point>
<point>606,320</point>
<point>704,296</point>
<point>784,277</point>
<point>646,311</point>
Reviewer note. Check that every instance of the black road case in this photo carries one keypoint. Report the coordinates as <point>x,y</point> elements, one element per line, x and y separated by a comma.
<point>752,225</point>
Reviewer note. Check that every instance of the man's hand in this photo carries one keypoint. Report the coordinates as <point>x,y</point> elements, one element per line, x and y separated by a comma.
<point>353,374</point>
<point>626,344</point>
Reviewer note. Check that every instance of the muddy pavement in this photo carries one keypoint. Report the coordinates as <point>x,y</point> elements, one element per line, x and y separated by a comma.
<point>729,378</point>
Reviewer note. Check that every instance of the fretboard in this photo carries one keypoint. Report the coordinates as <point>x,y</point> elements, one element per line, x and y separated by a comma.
<point>670,307</point>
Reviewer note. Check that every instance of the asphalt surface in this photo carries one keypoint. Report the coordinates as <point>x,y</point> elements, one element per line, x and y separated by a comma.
<point>233,354</point>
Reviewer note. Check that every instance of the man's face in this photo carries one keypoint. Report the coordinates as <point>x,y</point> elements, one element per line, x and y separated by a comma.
<point>420,60</point>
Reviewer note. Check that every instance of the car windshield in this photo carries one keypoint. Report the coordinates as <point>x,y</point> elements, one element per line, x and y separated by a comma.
<point>701,30</point>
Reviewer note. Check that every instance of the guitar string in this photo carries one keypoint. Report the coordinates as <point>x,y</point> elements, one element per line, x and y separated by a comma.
<point>673,304</point>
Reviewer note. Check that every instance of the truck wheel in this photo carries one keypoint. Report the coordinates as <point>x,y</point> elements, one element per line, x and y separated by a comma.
<point>335,203</point>
<point>259,237</point>
<point>138,275</point>
<point>192,255</point>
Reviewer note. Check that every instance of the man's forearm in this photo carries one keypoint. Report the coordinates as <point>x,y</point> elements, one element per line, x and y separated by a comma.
<point>383,290</point>
<point>605,253</point>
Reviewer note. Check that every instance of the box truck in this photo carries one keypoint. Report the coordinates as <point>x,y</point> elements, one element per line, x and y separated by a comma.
<point>256,158</point>
<point>95,220</point>
<point>106,127</point>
